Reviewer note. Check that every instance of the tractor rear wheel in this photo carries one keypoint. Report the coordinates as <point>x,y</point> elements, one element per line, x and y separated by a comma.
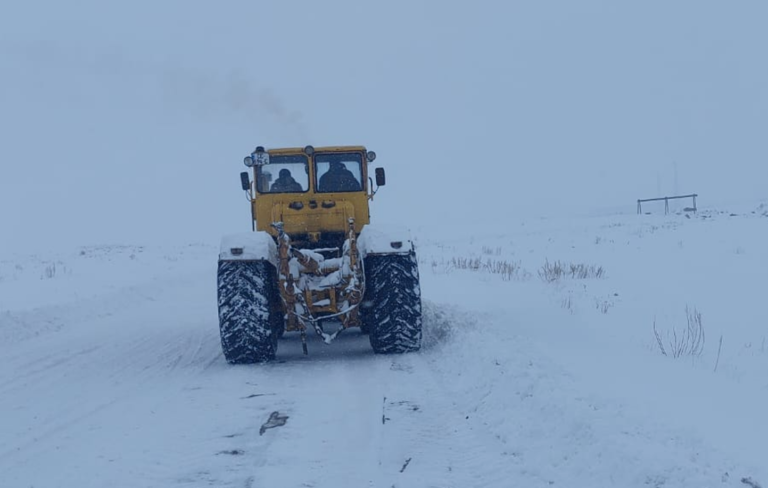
<point>393,319</point>
<point>249,314</point>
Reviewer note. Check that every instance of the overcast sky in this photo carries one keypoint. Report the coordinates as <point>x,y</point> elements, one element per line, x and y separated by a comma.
<point>129,122</point>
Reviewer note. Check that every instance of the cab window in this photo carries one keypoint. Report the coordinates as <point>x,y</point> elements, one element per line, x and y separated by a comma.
<point>283,174</point>
<point>339,172</point>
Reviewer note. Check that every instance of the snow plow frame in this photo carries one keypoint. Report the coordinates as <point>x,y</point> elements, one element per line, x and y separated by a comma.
<point>308,301</point>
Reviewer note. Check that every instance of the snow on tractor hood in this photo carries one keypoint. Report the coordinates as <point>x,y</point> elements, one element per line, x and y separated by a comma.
<point>248,247</point>
<point>385,240</point>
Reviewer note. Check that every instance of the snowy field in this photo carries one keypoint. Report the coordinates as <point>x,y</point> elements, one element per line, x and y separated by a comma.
<point>111,372</point>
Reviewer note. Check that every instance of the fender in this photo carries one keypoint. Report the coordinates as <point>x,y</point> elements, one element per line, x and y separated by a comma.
<point>251,246</point>
<point>380,240</point>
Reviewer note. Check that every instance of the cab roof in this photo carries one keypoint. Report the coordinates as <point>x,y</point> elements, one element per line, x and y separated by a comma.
<point>300,150</point>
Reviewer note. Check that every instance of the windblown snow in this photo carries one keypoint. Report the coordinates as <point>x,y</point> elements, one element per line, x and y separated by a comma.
<point>620,350</point>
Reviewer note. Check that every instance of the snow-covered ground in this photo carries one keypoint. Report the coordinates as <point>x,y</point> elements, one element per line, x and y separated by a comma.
<point>111,372</point>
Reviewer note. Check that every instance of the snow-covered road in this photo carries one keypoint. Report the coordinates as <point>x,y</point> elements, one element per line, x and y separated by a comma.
<point>130,389</point>
<point>111,375</point>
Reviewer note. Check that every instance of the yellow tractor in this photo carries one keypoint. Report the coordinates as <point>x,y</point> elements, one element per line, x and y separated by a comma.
<point>312,257</point>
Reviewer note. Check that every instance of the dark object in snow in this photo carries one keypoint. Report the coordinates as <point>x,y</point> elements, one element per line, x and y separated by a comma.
<point>255,395</point>
<point>384,417</point>
<point>275,420</point>
<point>233,452</point>
<point>407,462</point>
<point>750,482</point>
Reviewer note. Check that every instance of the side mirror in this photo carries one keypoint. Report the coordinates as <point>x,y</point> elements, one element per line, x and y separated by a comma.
<point>245,181</point>
<point>381,179</point>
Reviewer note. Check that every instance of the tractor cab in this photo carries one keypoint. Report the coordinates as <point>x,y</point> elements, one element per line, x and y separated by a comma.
<point>314,192</point>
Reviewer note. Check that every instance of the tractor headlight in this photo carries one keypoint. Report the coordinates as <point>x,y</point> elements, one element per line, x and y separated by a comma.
<point>370,156</point>
<point>248,161</point>
<point>309,150</point>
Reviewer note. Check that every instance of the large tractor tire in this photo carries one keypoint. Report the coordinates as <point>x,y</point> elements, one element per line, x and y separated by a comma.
<point>393,319</point>
<point>250,320</point>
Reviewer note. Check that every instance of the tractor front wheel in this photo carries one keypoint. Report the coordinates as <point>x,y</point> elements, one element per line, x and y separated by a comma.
<point>249,318</point>
<point>393,318</point>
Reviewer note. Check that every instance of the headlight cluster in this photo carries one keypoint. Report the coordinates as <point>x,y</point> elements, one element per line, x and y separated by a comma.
<point>257,158</point>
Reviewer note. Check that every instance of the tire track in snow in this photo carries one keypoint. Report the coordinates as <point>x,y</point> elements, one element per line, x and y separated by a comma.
<point>57,389</point>
<point>119,371</point>
<point>333,398</point>
<point>359,418</point>
<point>427,440</point>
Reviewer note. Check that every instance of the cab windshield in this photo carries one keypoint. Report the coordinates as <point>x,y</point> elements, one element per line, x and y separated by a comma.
<point>339,172</point>
<point>283,174</point>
